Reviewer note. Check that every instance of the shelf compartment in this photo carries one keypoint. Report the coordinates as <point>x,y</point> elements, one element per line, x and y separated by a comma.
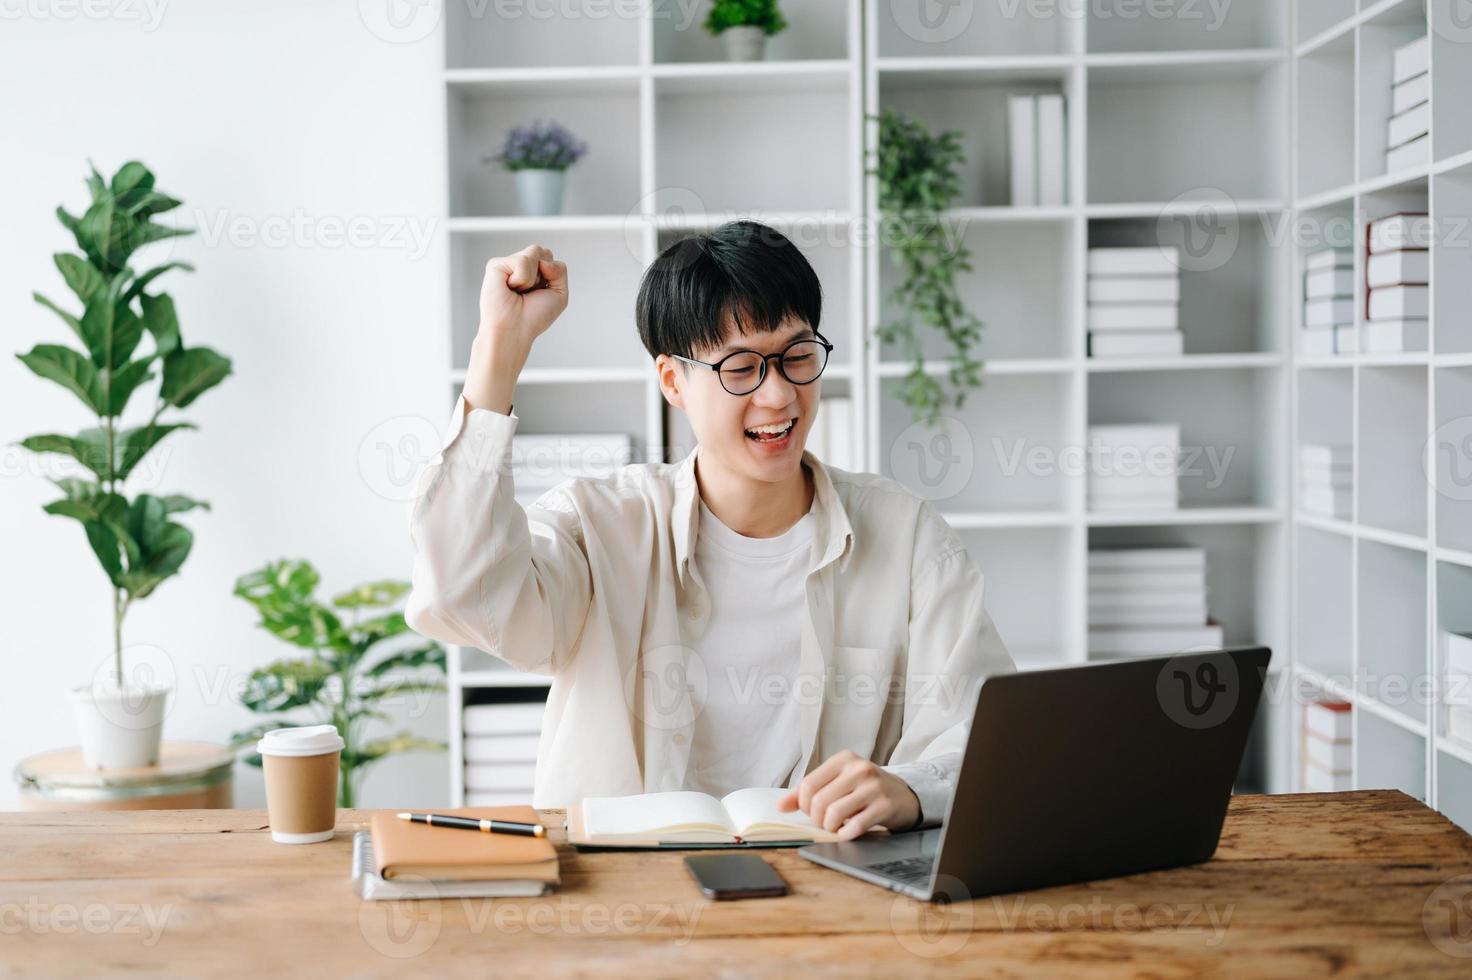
<point>1451,467</point>
<point>1391,490</point>
<point>1326,117</point>
<point>1020,287</point>
<point>1116,27</point>
<point>830,252</point>
<point>1230,423</point>
<point>970,30</point>
<point>1454,614</point>
<point>1392,628</point>
<point>595,331</point>
<point>1003,451</point>
<point>1231,276</point>
<point>974,103</point>
<point>478,35</point>
<point>1379,37</point>
<point>602,112</point>
<point>1451,260</point>
<point>707,162</point>
<point>1324,596</point>
<point>1317,17</point>
<point>1030,583</point>
<point>584,407</point>
<point>1155,134</point>
<point>1387,755</point>
<point>1451,80</point>
<point>815,29</point>
<point>1244,589</point>
<point>1454,788</point>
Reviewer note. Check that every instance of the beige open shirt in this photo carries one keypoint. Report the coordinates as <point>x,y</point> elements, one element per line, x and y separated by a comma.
<point>594,585</point>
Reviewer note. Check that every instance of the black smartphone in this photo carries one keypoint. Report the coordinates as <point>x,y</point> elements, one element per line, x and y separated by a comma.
<point>723,876</point>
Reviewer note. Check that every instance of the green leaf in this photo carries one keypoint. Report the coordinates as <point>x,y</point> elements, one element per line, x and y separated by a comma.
<point>88,447</point>
<point>286,684</point>
<point>371,594</point>
<point>134,444</point>
<point>70,221</point>
<point>160,318</point>
<point>380,628</point>
<point>150,204</point>
<point>87,501</point>
<point>81,276</point>
<point>131,176</point>
<point>282,594</point>
<point>416,658</point>
<point>95,234</point>
<point>69,369</point>
<point>125,380</point>
<point>105,544</point>
<point>162,546</point>
<point>189,373</point>
<point>178,504</point>
<point>70,320</point>
<point>142,282</point>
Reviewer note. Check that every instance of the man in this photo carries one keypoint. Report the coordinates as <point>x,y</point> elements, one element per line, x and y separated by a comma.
<point>744,617</point>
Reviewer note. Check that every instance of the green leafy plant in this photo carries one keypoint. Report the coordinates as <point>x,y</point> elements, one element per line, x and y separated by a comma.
<point>917,183</point>
<point>745,13</point>
<point>350,672</point>
<point>136,541</point>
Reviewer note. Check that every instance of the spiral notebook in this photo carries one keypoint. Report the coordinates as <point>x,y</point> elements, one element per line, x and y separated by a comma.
<point>743,818</point>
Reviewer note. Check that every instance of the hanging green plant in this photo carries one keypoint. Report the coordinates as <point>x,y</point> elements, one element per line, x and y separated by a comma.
<point>917,183</point>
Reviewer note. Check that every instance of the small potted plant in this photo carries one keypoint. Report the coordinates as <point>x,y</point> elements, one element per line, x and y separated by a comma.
<point>539,155</point>
<point>744,25</point>
<point>358,656</point>
<point>138,542</point>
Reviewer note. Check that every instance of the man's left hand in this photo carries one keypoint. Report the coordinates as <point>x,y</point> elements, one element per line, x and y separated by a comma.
<point>850,795</point>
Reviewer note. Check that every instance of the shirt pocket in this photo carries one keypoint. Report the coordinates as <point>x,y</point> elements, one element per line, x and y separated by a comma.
<point>858,698</point>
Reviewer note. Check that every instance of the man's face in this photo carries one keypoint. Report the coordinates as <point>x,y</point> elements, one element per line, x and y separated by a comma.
<point>723,422</point>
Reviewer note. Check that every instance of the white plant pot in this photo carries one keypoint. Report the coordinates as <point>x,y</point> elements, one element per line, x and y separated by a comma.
<point>540,191</point>
<point>120,726</point>
<point>744,43</point>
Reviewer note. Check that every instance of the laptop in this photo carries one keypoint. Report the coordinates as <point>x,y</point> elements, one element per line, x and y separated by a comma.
<point>1077,774</point>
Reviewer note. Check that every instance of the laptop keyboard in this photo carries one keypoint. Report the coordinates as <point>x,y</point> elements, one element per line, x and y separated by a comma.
<point>912,870</point>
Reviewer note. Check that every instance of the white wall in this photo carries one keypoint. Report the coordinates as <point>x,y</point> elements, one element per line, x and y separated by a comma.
<point>257,115</point>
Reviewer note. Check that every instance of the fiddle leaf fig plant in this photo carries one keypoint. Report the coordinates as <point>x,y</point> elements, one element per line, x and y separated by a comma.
<point>352,669</point>
<point>917,183</point>
<point>136,541</point>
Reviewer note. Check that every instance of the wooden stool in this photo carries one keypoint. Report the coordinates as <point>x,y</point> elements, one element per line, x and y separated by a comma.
<point>188,776</point>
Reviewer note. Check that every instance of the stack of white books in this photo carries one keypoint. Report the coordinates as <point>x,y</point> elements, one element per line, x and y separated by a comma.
<point>1325,475</point>
<point>831,438</point>
<point>1456,652</point>
<point>1326,750</point>
<point>1149,602</point>
<point>501,752</point>
<point>1038,140</point>
<point>1396,275</point>
<point>541,462</point>
<point>1328,303</point>
<point>1134,467</point>
<point>1135,302</point>
<point>1408,133</point>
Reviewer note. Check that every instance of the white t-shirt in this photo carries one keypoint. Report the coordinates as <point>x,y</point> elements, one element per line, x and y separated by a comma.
<point>750,652</point>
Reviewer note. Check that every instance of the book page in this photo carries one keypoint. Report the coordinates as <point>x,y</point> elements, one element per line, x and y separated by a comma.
<point>650,813</point>
<point>755,808</point>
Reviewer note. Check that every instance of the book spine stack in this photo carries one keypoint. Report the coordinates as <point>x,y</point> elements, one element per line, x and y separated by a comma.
<point>1325,475</point>
<point>1326,750</point>
<point>1038,140</point>
<point>1135,302</point>
<point>1397,272</point>
<point>501,752</point>
<point>1408,133</point>
<point>1456,648</point>
<point>831,438</point>
<point>1328,304</point>
<point>1149,602</point>
<point>1134,467</point>
<point>541,462</point>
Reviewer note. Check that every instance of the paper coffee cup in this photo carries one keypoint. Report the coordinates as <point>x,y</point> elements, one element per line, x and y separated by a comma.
<point>301,767</point>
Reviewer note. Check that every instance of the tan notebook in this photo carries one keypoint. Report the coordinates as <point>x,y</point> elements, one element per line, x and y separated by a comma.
<point>681,819</point>
<point>403,848</point>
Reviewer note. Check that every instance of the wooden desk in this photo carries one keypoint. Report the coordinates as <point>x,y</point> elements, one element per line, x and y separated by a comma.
<point>1302,886</point>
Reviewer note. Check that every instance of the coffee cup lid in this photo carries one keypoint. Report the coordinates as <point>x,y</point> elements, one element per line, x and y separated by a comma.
<point>308,740</point>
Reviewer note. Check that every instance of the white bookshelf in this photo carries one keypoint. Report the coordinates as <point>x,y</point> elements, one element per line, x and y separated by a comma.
<point>1372,591</point>
<point>1247,127</point>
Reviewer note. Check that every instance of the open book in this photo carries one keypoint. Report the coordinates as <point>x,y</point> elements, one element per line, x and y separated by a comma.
<point>745,816</point>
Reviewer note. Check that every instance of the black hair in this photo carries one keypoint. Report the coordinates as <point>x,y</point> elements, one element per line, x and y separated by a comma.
<point>743,271</point>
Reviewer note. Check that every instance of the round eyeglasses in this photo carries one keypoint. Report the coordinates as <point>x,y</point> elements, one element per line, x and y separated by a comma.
<point>743,371</point>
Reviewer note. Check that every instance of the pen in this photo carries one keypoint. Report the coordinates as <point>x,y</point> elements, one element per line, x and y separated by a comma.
<point>470,823</point>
